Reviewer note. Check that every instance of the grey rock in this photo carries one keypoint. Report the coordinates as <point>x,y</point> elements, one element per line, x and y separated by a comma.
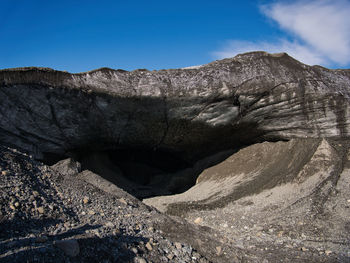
<point>70,247</point>
<point>197,112</point>
<point>67,167</point>
<point>149,246</point>
<point>140,260</point>
<point>187,250</point>
<point>178,245</point>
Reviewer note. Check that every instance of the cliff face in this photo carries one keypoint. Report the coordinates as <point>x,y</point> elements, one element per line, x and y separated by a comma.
<point>185,112</point>
<point>285,196</point>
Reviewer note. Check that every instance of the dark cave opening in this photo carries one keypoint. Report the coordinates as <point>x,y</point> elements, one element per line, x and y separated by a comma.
<point>142,172</point>
<point>142,165</point>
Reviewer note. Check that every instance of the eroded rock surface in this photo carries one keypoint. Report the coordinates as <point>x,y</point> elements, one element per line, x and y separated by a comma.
<point>190,113</point>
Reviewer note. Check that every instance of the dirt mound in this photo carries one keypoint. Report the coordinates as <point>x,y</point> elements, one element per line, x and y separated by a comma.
<point>274,196</point>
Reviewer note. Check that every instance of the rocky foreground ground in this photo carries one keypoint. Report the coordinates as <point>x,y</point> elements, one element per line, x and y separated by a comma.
<point>48,217</point>
<point>51,216</point>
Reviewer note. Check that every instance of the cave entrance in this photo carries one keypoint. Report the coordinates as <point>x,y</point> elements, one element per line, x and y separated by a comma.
<point>147,173</point>
<point>142,172</point>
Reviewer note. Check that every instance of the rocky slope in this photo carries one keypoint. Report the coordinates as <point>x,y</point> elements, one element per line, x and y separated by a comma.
<point>246,158</point>
<point>275,197</point>
<point>48,216</point>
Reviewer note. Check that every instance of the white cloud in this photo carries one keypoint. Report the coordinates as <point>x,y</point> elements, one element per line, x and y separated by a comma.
<point>320,31</point>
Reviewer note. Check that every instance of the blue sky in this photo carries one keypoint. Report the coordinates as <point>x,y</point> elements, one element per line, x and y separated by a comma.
<point>83,35</point>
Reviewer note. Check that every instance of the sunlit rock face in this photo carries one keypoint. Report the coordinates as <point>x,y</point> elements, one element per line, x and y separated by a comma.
<point>254,150</point>
<point>185,113</point>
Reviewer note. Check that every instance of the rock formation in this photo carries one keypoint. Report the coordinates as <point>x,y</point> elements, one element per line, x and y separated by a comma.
<point>253,151</point>
<point>160,122</point>
<point>190,113</point>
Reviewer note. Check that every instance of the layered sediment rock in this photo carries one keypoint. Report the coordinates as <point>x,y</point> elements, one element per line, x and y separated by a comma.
<point>186,113</point>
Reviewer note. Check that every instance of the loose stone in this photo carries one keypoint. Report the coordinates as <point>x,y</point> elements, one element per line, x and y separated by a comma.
<point>70,247</point>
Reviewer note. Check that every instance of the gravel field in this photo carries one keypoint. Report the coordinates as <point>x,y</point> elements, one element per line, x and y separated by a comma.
<point>48,217</point>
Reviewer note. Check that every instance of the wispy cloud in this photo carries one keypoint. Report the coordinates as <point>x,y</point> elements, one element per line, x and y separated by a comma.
<point>320,32</point>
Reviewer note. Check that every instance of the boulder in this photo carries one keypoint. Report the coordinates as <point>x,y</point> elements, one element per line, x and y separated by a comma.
<point>67,167</point>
